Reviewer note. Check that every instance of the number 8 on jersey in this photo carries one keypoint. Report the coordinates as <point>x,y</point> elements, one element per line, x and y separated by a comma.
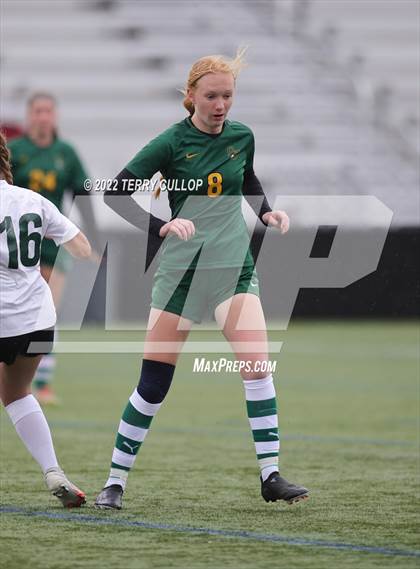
<point>214,181</point>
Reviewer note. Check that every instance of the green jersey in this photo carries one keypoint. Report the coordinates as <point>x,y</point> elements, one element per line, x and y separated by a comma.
<point>203,174</point>
<point>50,171</point>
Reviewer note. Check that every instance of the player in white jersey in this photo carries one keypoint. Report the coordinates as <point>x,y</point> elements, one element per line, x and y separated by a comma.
<point>27,316</point>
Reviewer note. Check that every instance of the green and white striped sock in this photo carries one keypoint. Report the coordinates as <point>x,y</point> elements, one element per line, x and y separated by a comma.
<point>262,413</point>
<point>45,372</point>
<point>132,431</point>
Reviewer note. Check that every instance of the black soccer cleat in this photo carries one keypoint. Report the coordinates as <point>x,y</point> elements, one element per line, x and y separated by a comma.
<point>278,488</point>
<point>110,498</point>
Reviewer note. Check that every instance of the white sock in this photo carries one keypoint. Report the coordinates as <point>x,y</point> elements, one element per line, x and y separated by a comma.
<point>117,476</point>
<point>265,472</point>
<point>32,427</point>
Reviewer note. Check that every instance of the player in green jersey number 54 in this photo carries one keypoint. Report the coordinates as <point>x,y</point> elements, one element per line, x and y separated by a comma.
<point>205,266</point>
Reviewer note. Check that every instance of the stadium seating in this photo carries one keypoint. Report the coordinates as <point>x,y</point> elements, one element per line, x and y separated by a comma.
<point>312,92</point>
<point>386,43</point>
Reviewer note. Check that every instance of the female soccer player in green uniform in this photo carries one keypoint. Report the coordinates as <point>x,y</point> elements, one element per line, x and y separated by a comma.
<point>44,163</point>
<point>205,264</point>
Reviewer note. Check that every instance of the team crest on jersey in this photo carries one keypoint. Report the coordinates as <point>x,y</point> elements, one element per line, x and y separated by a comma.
<point>232,152</point>
<point>23,159</point>
<point>59,163</point>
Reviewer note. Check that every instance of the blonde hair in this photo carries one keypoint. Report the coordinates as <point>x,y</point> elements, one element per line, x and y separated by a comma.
<point>5,171</point>
<point>212,64</point>
<point>204,65</point>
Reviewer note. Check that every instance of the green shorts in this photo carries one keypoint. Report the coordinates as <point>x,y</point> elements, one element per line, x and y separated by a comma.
<point>195,294</point>
<point>50,257</point>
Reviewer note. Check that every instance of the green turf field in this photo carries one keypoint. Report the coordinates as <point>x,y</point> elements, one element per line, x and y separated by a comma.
<point>348,395</point>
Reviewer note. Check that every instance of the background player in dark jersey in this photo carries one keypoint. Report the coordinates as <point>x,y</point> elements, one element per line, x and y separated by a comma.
<point>205,263</point>
<point>50,166</point>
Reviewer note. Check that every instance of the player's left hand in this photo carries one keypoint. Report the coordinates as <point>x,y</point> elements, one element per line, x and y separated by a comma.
<point>278,219</point>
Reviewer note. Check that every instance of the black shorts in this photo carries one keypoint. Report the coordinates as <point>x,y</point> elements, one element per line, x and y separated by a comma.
<point>14,346</point>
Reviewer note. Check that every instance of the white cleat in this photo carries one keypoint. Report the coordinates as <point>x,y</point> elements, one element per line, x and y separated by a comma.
<point>68,494</point>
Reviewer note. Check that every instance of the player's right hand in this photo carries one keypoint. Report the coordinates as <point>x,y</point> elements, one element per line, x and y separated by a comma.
<point>183,228</point>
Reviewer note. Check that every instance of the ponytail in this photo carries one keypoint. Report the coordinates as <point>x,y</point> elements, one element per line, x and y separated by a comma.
<point>188,104</point>
<point>157,191</point>
<point>5,171</point>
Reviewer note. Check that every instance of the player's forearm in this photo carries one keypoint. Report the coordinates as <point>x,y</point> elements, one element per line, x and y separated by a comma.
<point>89,222</point>
<point>121,201</point>
<point>252,188</point>
<point>79,246</point>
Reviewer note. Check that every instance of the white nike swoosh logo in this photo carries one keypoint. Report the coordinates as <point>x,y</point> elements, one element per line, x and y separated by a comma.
<point>132,448</point>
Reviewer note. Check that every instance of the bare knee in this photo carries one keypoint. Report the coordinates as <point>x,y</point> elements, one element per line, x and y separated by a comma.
<point>255,368</point>
<point>161,357</point>
<point>165,337</point>
<point>15,379</point>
